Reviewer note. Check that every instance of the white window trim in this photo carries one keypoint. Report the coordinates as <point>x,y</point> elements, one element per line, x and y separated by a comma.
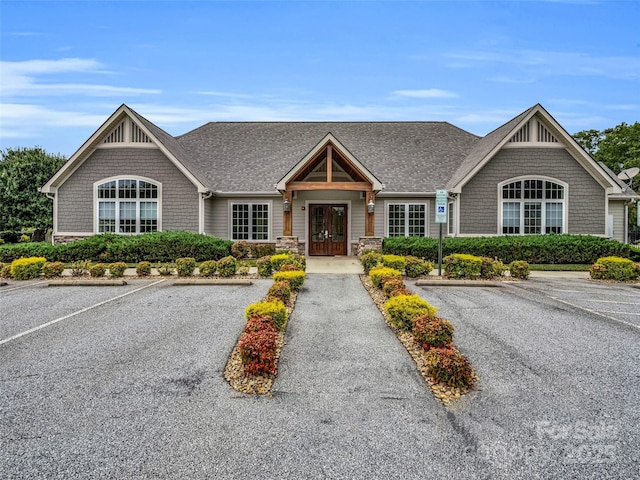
<point>522,201</point>
<point>406,228</point>
<point>96,219</point>
<point>269,203</point>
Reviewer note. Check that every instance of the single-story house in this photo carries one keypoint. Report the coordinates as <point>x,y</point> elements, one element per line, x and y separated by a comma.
<point>334,188</point>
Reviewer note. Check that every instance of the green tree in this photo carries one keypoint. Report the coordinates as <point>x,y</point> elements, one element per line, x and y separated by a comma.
<point>618,147</point>
<point>22,172</point>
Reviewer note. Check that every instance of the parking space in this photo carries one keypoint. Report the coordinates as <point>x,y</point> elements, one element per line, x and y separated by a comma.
<point>28,305</point>
<point>616,301</point>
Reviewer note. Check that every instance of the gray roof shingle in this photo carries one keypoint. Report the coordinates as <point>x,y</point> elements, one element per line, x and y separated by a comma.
<point>254,156</point>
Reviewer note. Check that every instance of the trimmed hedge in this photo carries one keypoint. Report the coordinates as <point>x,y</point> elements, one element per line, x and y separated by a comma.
<point>27,268</point>
<point>295,278</point>
<point>549,249</point>
<point>614,268</point>
<point>276,310</point>
<point>403,310</point>
<point>150,247</point>
<point>379,274</point>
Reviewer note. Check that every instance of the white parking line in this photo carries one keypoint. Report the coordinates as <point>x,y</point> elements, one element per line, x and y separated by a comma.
<point>612,301</point>
<point>10,289</point>
<point>52,322</point>
<point>580,307</point>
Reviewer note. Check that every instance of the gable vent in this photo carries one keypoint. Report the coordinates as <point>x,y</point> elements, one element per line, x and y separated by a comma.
<point>545,135</point>
<point>116,135</point>
<point>521,135</point>
<point>137,135</point>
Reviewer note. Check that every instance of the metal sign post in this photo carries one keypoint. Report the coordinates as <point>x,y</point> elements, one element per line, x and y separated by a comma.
<point>442,199</point>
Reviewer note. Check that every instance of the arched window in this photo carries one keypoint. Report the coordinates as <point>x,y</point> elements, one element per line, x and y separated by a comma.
<point>127,205</point>
<point>532,206</point>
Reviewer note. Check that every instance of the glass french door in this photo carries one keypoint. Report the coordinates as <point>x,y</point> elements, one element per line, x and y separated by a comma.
<point>328,230</point>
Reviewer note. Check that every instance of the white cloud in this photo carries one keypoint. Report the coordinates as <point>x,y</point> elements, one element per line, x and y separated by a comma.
<point>20,79</point>
<point>426,93</point>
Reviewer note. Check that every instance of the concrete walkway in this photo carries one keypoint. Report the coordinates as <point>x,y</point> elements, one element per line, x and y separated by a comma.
<point>338,342</point>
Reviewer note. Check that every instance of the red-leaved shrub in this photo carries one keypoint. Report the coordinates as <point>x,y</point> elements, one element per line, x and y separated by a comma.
<point>450,367</point>
<point>258,352</point>
<point>430,332</point>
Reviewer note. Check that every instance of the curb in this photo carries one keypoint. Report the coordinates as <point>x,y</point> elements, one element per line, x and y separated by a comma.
<point>457,283</point>
<point>211,281</point>
<point>86,283</point>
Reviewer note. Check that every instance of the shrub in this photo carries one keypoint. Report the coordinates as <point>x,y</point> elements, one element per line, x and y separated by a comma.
<point>264,266</point>
<point>5,270</point>
<point>260,322</point>
<point>208,268</point>
<point>392,284</point>
<point>98,270</point>
<point>27,268</point>
<point>430,332</point>
<point>117,269</point>
<point>185,266</point>
<point>280,290</point>
<point>295,278</point>
<point>227,266</point>
<point>416,267</point>
<point>404,309</point>
<point>258,352</point>
<point>24,238</point>
<point>551,249</point>
<point>143,269</point>
<point>165,269</point>
<point>263,249</point>
<point>241,250</point>
<point>460,265</point>
<point>278,260</point>
<point>519,269</point>
<point>276,310</point>
<point>396,262</point>
<point>492,268</point>
<point>378,274</point>
<point>613,268</point>
<point>369,260</point>
<point>80,268</point>
<point>243,268</point>
<point>52,269</point>
<point>449,367</point>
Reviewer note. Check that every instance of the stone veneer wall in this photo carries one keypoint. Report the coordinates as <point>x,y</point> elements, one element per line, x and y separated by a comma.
<point>369,243</point>
<point>289,243</point>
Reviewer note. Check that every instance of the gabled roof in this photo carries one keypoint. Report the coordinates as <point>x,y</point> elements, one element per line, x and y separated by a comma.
<point>376,185</point>
<point>159,137</point>
<point>255,156</point>
<point>488,146</point>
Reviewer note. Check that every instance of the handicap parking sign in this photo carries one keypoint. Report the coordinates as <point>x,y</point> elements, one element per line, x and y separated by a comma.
<point>441,208</point>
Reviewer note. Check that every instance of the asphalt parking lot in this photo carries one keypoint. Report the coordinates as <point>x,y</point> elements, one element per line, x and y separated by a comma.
<point>126,382</point>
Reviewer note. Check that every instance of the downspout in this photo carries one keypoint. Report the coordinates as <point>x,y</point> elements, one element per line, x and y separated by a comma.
<point>55,215</point>
<point>203,196</point>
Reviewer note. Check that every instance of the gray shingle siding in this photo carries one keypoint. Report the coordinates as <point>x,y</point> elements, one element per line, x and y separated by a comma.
<point>479,198</point>
<point>75,195</point>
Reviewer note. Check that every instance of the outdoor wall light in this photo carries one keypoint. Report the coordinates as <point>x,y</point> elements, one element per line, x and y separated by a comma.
<point>286,205</point>
<point>371,207</point>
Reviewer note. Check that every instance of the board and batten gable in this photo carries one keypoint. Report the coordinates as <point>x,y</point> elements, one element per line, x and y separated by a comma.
<point>76,196</point>
<point>480,197</point>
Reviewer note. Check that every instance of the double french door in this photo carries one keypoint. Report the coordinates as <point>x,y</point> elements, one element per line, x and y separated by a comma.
<point>328,230</point>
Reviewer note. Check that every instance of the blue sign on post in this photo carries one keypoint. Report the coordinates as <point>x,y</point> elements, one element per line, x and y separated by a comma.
<point>442,198</point>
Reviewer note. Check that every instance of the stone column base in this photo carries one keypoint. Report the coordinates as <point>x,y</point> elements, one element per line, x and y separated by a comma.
<point>289,243</point>
<point>369,243</point>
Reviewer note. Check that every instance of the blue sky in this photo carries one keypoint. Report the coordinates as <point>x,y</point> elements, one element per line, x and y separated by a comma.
<point>66,66</point>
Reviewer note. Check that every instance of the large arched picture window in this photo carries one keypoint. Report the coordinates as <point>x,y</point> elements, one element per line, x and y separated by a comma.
<point>533,206</point>
<point>127,205</point>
